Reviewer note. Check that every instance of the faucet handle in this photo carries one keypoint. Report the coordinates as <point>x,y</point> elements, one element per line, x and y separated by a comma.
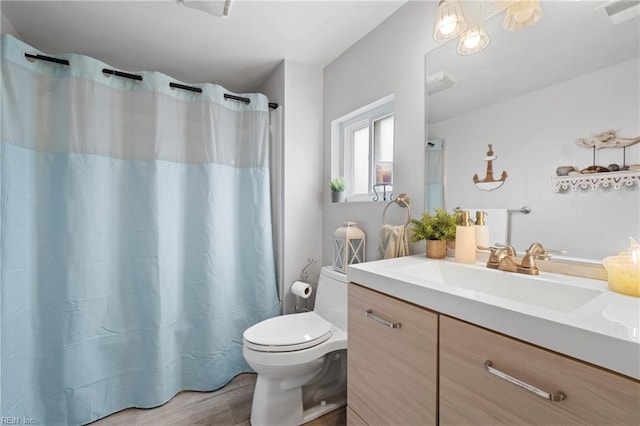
<point>511,251</point>
<point>494,249</point>
<point>555,251</point>
<point>536,251</point>
<point>497,255</point>
<point>537,248</point>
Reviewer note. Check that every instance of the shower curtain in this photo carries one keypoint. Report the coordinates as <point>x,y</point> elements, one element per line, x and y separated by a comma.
<point>135,237</point>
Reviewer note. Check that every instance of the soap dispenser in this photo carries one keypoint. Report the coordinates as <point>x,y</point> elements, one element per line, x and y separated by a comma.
<point>465,240</point>
<point>481,230</point>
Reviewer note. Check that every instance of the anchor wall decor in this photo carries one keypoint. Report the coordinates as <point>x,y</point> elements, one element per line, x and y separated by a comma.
<point>489,183</point>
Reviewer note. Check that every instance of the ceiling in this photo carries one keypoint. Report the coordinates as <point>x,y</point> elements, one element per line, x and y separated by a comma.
<point>194,46</point>
<point>572,39</point>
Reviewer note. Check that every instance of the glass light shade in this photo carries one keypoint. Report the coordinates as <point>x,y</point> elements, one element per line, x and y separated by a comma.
<point>450,21</point>
<point>348,246</point>
<point>522,14</point>
<point>473,41</point>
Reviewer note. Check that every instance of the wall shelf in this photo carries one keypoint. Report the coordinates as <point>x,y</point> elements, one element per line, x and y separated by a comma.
<point>615,180</point>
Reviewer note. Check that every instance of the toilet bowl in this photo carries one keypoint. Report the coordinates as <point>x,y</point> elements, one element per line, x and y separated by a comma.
<point>301,359</point>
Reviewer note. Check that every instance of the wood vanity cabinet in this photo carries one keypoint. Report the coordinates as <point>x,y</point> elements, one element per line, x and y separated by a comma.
<point>471,395</point>
<point>392,372</point>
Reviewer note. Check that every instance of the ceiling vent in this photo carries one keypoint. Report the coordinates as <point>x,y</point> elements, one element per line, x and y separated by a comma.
<point>440,81</point>
<point>621,10</point>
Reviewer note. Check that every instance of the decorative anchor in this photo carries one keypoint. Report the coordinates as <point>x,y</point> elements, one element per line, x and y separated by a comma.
<point>489,183</point>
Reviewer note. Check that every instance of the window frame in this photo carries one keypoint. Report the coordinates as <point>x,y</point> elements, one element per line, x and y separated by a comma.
<point>343,130</point>
<point>349,130</point>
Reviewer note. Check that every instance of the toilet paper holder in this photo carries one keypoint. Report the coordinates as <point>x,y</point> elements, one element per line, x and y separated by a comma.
<point>304,277</point>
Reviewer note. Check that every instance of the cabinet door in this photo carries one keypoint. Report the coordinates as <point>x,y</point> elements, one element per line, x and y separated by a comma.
<point>353,419</point>
<point>392,372</point>
<point>471,395</point>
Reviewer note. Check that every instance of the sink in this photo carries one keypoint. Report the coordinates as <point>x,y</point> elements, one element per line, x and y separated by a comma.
<point>559,293</point>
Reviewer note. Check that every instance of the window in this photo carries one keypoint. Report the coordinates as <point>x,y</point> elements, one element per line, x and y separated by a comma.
<point>362,149</point>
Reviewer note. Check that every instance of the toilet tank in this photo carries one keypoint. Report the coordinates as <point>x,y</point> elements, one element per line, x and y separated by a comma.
<point>331,297</point>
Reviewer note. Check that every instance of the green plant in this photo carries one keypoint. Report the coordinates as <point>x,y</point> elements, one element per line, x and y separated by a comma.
<point>337,184</point>
<point>439,226</point>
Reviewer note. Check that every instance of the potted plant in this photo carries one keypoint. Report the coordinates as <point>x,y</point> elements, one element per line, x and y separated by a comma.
<point>337,189</point>
<point>436,229</point>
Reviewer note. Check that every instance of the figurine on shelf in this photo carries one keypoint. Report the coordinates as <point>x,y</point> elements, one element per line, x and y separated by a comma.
<point>594,169</point>
<point>608,139</point>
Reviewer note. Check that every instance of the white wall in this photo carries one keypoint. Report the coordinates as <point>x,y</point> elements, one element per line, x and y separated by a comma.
<point>390,59</point>
<point>273,88</point>
<point>7,27</point>
<point>298,88</point>
<point>534,134</point>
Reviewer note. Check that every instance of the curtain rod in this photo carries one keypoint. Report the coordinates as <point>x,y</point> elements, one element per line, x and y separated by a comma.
<point>122,74</point>
<point>247,101</point>
<point>47,58</point>
<point>137,77</point>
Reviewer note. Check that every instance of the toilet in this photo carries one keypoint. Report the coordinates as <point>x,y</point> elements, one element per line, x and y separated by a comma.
<point>301,359</point>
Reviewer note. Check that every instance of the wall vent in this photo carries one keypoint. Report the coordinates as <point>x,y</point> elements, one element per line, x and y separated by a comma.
<point>621,10</point>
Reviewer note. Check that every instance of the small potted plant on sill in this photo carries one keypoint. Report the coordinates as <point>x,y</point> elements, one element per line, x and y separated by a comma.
<point>337,189</point>
<point>436,229</point>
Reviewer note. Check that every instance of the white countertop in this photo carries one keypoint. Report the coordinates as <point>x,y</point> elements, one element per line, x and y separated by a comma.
<point>604,331</point>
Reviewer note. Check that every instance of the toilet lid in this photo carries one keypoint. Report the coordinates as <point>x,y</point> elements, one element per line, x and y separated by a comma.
<point>288,333</point>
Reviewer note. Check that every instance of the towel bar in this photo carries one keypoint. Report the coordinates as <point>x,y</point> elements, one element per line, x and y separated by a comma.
<point>403,201</point>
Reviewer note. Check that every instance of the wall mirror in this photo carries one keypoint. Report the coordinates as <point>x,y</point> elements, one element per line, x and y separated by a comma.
<point>531,93</point>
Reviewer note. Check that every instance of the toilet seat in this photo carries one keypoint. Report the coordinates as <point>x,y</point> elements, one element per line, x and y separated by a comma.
<point>288,333</point>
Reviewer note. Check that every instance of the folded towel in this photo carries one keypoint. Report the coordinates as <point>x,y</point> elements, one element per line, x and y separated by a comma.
<point>393,242</point>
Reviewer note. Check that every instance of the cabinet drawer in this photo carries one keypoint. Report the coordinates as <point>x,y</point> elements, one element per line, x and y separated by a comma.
<point>392,372</point>
<point>469,394</point>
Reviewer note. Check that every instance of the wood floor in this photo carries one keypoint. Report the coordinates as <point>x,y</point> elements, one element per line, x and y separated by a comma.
<point>229,406</point>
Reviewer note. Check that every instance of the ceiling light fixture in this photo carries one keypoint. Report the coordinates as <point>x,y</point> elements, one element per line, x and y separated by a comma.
<point>473,40</point>
<point>522,14</point>
<point>450,21</point>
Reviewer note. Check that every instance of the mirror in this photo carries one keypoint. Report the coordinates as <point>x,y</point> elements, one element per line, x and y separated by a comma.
<point>530,94</point>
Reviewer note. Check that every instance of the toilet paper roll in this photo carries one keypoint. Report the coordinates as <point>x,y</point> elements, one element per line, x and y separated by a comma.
<point>301,289</point>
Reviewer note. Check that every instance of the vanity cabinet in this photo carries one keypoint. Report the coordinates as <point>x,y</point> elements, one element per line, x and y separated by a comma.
<point>392,362</point>
<point>472,395</point>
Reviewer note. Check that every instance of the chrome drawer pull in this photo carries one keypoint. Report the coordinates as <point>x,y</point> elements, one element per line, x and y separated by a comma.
<point>370,314</point>
<point>555,397</point>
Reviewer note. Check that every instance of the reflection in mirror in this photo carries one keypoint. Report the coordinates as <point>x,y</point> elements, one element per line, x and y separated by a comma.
<point>434,187</point>
<point>488,183</point>
<point>532,94</point>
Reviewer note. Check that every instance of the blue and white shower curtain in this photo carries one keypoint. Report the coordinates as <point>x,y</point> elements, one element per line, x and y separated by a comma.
<point>135,237</point>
